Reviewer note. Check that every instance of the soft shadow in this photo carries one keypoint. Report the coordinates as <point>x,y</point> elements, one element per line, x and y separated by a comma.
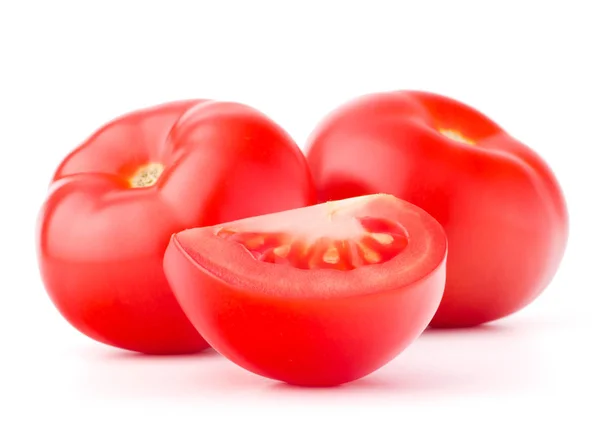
<point>487,328</point>
<point>406,383</point>
<point>123,355</point>
<point>487,359</point>
<point>503,327</point>
<point>369,383</point>
<point>113,373</point>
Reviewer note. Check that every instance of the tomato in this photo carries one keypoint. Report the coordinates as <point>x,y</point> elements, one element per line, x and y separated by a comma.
<point>116,200</point>
<point>315,296</point>
<point>499,203</point>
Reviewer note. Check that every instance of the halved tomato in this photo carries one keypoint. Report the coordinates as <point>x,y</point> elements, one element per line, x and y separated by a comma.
<point>317,296</point>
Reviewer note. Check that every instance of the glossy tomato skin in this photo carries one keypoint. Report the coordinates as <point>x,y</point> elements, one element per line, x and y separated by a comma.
<point>100,242</point>
<point>292,325</point>
<point>499,203</point>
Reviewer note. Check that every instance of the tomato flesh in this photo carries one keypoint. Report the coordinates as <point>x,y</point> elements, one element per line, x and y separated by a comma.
<point>376,242</point>
<point>320,295</point>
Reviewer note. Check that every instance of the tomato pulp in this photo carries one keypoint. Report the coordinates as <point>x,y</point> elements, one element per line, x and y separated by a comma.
<point>315,296</point>
<point>500,204</point>
<point>115,201</point>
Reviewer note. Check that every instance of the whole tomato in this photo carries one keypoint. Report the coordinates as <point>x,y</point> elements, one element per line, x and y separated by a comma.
<point>499,203</point>
<point>115,201</point>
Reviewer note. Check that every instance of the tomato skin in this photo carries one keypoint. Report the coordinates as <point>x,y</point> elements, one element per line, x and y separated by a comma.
<point>499,203</point>
<point>100,243</point>
<point>293,325</point>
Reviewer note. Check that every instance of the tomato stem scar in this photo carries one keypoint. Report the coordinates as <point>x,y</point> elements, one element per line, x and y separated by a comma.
<point>146,175</point>
<point>456,135</point>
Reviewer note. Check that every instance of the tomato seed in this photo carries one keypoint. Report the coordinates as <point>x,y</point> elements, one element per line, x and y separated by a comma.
<point>282,251</point>
<point>331,255</point>
<point>384,239</point>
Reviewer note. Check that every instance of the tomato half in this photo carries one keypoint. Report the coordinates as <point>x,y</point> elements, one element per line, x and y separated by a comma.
<point>498,201</point>
<point>116,200</point>
<point>316,296</point>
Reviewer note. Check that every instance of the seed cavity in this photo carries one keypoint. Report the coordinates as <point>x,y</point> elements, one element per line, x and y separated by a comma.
<point>380,241</point>
<point>254,242</point>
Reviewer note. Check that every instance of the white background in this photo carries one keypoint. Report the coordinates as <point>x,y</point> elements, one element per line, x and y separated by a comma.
<point>66,68</point>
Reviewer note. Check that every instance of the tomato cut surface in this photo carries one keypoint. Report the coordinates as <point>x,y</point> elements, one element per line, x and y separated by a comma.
<point>344,244</point>
<point>320,295</point>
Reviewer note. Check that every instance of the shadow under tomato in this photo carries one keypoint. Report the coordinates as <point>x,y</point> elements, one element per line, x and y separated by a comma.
<point>375,383</point>
<point>118,354</point>
<point>486,328</point>
<point>490,358</point>
<point>115,373</point>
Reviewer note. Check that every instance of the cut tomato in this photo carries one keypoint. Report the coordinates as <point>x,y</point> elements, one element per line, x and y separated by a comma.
<point>320,295</point>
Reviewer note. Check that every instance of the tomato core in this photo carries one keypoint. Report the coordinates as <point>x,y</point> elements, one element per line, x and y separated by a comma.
<point>358,241</point>
<point>146,175</point>
<point>456,135</point>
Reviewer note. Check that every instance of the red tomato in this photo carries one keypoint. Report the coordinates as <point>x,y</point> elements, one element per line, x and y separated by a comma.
<point>316,296</point>
<point>501,206</point>
<point>116,200</point>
